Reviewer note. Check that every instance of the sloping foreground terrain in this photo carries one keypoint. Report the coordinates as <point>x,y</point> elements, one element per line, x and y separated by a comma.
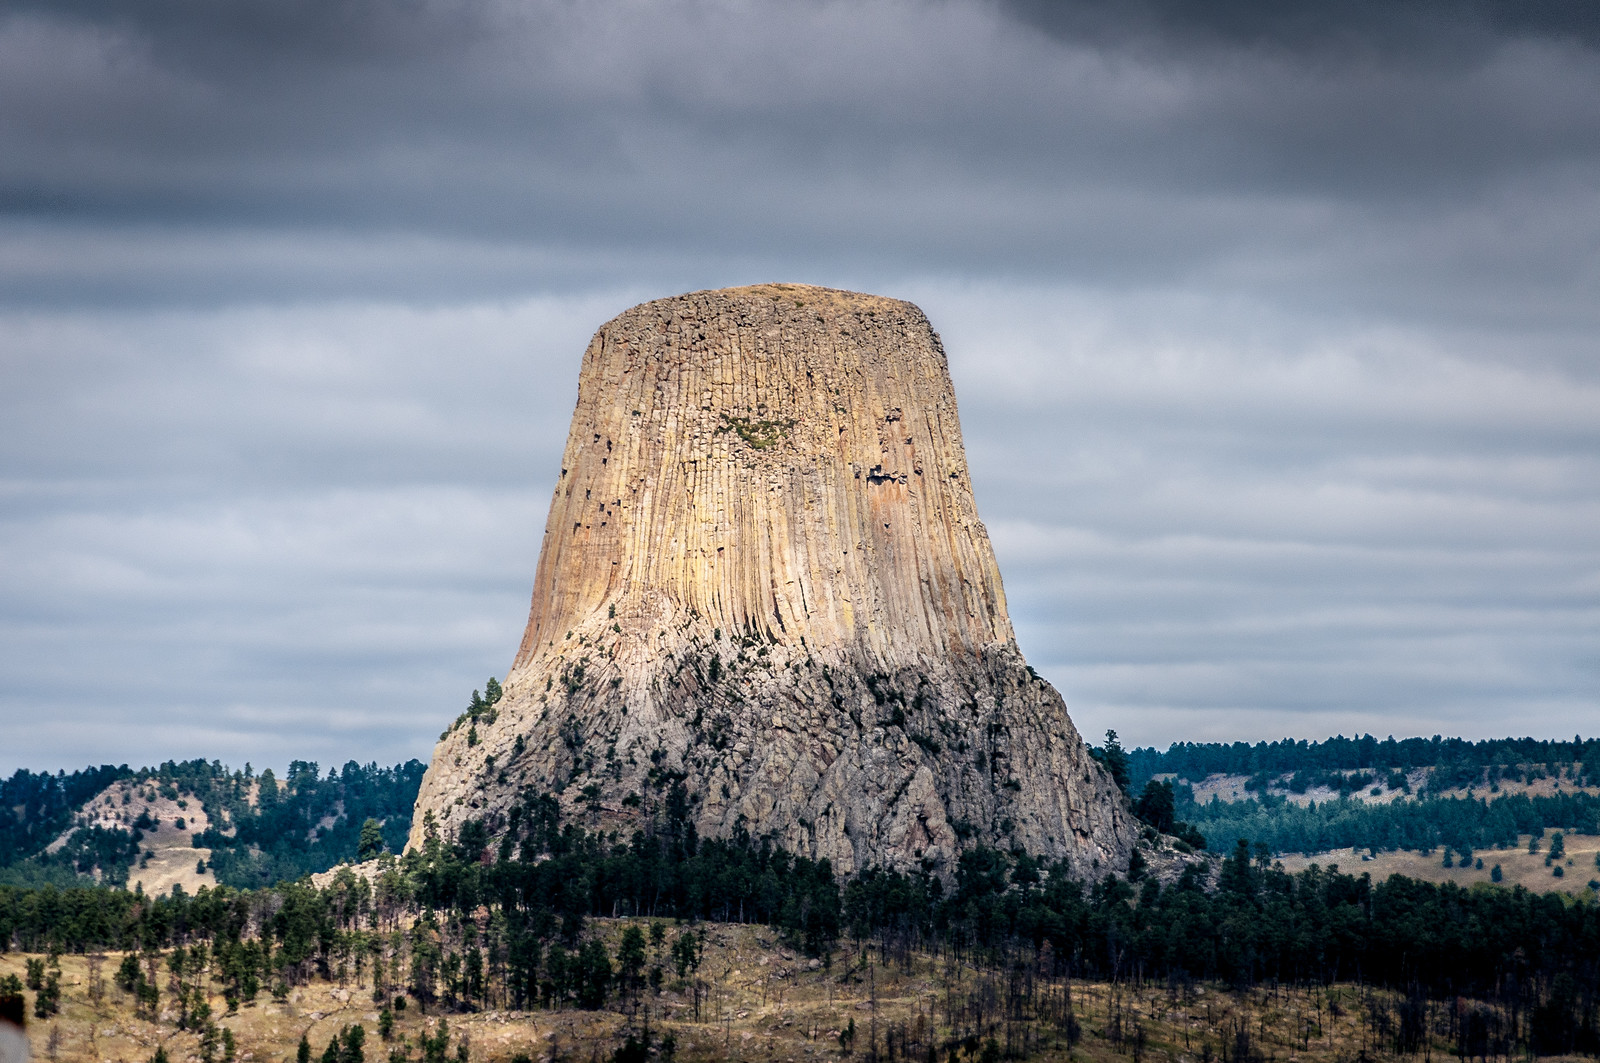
<point>753,998</point>
<point>592,941</point>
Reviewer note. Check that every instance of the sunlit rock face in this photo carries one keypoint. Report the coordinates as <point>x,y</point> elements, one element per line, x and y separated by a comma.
<point>764,577</point>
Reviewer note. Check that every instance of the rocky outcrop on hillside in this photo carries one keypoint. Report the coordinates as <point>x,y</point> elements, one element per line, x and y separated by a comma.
<point>765,599</point>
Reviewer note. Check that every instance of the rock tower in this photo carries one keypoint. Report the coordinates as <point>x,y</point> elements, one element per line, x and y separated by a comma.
<point>764,578</point>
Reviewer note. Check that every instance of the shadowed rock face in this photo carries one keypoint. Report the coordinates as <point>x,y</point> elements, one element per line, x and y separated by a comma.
<point>764,577</point>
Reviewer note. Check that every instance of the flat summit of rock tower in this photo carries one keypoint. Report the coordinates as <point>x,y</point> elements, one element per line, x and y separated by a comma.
<point>765,602</point>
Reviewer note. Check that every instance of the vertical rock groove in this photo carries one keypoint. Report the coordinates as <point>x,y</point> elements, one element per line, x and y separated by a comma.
<point>764,577</point>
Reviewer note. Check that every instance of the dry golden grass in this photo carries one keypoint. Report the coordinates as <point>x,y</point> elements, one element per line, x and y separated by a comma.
<point>758,1001</point>
<point>168,856</point>
<point>1518,867</point>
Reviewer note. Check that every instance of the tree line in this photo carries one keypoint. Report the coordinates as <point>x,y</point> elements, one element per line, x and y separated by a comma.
<point>266,829</point>
<point>1196,760</point>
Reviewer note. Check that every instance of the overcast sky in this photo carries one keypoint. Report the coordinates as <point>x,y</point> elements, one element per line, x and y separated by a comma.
<point>1276,337</point>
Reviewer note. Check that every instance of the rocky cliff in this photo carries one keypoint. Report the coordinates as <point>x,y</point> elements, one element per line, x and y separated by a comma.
<point>764,584</point>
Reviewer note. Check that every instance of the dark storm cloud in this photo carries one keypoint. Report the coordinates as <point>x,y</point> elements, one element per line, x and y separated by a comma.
<point>1407,30</point>
<point>880,136</point>
<point>1273,327</point>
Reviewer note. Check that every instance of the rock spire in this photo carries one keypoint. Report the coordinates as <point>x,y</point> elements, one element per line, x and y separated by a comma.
<point>765,602</point>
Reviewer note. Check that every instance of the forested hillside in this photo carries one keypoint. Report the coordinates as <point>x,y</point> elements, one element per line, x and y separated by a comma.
<point>1462,800</point>
<point>1455,760</point>
<point>263,830</point>
<point>1463,824</point>
<point>41,806</point>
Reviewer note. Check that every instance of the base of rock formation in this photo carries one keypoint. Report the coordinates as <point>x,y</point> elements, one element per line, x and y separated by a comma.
<point>830,758</point>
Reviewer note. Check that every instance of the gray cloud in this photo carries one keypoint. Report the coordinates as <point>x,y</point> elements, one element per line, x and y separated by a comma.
<point>885,136</point>
<point>1436,31</point>
<point>271,532</point>
<point>1273,332</point>
<point>1329,529</point>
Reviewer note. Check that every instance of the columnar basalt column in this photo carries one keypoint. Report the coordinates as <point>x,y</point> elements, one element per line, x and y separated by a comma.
<point>764,585</point>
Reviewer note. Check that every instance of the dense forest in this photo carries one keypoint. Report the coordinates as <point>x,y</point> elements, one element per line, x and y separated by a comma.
<point>461,925</point>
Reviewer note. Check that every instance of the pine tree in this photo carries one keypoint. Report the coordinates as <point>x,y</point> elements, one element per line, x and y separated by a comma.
<point>371,846</point>
<point>1115,760</point>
